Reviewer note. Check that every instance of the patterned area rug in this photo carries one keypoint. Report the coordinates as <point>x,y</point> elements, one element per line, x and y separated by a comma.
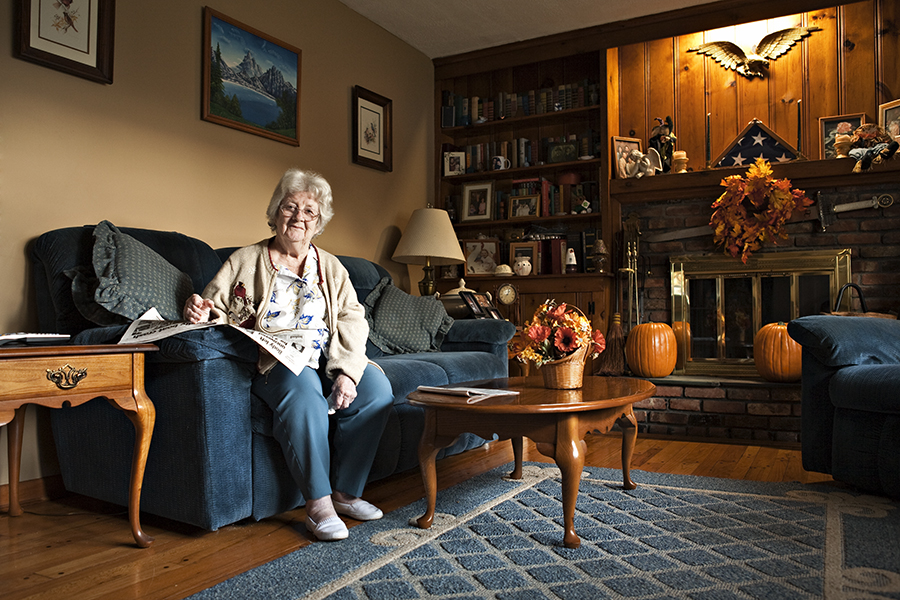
<point>672,537</point>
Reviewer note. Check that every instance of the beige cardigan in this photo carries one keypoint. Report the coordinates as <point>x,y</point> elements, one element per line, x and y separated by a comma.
<point>248,277</point>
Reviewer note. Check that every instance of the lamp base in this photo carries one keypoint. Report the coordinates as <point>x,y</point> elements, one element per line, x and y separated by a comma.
<point>426,286</point>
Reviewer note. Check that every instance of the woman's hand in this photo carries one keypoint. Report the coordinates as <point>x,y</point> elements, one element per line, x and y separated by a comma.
<point>196,309</point>
<point>343,393</point>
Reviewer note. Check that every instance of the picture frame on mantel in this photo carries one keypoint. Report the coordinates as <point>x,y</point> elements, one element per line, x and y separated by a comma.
<point>272,103</point>
<point>372,124</point>
<point>889,118</point>
<point>75,38</point>
<point>829,127</point>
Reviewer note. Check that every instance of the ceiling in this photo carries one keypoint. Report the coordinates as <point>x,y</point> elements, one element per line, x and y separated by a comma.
<point>440,28</point>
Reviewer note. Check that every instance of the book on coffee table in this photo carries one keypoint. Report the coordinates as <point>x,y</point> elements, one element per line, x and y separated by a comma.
<point>472,395</point>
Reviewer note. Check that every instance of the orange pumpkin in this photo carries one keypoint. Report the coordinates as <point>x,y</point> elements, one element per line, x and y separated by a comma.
<point>682,332</point>
<point>777,356</point>
<point>651,350</point>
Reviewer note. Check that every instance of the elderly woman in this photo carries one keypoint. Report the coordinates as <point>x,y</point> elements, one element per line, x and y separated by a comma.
<point>288,287</point>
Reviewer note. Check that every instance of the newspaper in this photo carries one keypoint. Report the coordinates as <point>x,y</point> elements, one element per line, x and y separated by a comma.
<point>151,327</point>
<point>472,395</point>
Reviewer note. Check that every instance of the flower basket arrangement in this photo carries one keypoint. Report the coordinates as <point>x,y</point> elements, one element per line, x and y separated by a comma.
<point>558,339</point>
<point>753,209</point>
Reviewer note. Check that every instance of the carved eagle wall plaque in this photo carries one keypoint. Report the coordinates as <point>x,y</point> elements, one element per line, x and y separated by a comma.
<point>751,64</point>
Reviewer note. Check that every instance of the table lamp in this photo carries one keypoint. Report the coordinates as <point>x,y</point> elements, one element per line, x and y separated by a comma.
<point>429,240</point>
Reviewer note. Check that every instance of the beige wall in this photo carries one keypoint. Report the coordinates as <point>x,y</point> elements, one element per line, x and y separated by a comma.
<point>136,152</point>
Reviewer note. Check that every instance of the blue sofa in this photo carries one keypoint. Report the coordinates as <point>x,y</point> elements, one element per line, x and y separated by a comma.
<point>851,399</point>
<point>213,460</point>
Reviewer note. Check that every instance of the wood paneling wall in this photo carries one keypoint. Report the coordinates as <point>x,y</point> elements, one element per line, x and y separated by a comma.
<point>849,66</point>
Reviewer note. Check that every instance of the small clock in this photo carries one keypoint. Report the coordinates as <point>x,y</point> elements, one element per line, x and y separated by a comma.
<point>507,294</point>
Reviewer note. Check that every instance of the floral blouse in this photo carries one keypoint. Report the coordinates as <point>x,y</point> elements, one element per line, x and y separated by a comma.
<point>296,311</point>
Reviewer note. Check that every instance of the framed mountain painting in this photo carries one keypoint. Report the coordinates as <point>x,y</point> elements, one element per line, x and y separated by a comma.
<point>251,81</point>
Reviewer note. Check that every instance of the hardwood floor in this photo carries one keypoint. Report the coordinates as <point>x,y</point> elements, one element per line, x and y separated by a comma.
<point>77,548</point>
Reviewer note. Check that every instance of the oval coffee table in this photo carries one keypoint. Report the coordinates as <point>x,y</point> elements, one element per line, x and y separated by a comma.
<point>555,420</point>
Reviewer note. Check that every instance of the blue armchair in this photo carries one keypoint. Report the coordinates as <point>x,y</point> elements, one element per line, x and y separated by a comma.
<point>851,399</point>
<point>213,460</point>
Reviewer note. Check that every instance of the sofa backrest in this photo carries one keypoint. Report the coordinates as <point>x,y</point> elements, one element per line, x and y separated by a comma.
<point>56,252</point>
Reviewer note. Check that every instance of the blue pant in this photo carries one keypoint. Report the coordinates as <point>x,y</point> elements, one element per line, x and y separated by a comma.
<point>325,452</point>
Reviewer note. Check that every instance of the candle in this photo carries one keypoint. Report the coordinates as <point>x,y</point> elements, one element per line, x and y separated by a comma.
<point>708,158</point>
<point>799,128</point>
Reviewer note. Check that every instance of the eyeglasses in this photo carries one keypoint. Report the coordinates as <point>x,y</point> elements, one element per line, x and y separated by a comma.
<point>306,214</point>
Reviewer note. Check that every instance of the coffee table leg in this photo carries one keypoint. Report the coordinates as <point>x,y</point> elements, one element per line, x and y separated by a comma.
<point>569,456</point>
<point>629,436</point>
<point>517,457</point>
<point>427,454</point>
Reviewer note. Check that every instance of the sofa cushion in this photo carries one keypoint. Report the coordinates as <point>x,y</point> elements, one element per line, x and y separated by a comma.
<point>132,278</point>
<point>400,323</point>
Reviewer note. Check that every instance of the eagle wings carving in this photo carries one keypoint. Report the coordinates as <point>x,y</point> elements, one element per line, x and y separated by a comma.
<point>751,64</point>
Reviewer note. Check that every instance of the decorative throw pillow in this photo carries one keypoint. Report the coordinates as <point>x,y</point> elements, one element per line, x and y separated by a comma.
<point>132,278</point>
<point>84,286</point>
<point>400,323</point>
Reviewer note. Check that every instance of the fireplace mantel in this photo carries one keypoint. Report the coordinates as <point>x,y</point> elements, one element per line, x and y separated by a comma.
<point>808,175</point>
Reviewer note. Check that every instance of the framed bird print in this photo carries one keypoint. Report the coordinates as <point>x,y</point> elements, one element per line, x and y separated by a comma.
<point>72,36</point>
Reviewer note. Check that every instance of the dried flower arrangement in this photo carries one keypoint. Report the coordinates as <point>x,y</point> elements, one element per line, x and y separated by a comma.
<point>557,331</point>
<point>753,209</point>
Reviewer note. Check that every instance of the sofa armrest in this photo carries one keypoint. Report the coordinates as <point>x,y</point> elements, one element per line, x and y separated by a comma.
<point>841,341</point>
<point>483,335</point>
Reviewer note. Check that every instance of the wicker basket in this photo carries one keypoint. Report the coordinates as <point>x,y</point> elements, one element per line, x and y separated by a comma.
<point>566,373</point>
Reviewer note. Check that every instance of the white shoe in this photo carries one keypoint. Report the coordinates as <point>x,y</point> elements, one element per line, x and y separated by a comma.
<point>327,530</point>
<point>359,510</point>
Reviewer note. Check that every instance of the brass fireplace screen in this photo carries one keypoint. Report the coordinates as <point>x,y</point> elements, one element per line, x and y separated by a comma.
<point>719,303</point>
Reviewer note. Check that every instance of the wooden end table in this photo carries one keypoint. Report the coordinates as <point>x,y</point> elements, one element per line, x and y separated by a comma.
<point>555,420</point>
<point>58,376</point>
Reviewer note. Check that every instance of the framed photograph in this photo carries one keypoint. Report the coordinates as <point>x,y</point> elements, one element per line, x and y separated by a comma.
<point>484,303</point>
<point>449,271</point>
<point>472,303</point>
<point>829,127</point>
<point>524,207</point>
<point>477,199</point>
<point>454,163</point>
<point>481,256</point>
<point>267,106</point>
<point>495,314</point>
<point>520,250</point>
<point>75,37</point>
<point>622,147</point>
<point>372,126</point>
<point>889,118</point>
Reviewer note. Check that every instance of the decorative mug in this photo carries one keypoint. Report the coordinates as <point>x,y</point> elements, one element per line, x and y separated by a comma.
<point>522,266</point>
<point>498,163</point>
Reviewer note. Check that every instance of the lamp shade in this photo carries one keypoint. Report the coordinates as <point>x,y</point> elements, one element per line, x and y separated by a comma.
<point>429,237</point>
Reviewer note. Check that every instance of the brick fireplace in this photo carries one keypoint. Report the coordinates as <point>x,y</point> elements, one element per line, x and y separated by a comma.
<point>748,408</point>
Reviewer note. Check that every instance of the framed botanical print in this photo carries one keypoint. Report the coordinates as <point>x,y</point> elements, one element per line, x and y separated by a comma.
<point>75,37</point>
<point>477,199</point>
<point>265,106</point>
<point>830,127</point>
<point>372,130</point>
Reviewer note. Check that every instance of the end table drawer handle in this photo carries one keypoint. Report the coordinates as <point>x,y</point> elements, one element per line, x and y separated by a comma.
<point>67,377</point>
